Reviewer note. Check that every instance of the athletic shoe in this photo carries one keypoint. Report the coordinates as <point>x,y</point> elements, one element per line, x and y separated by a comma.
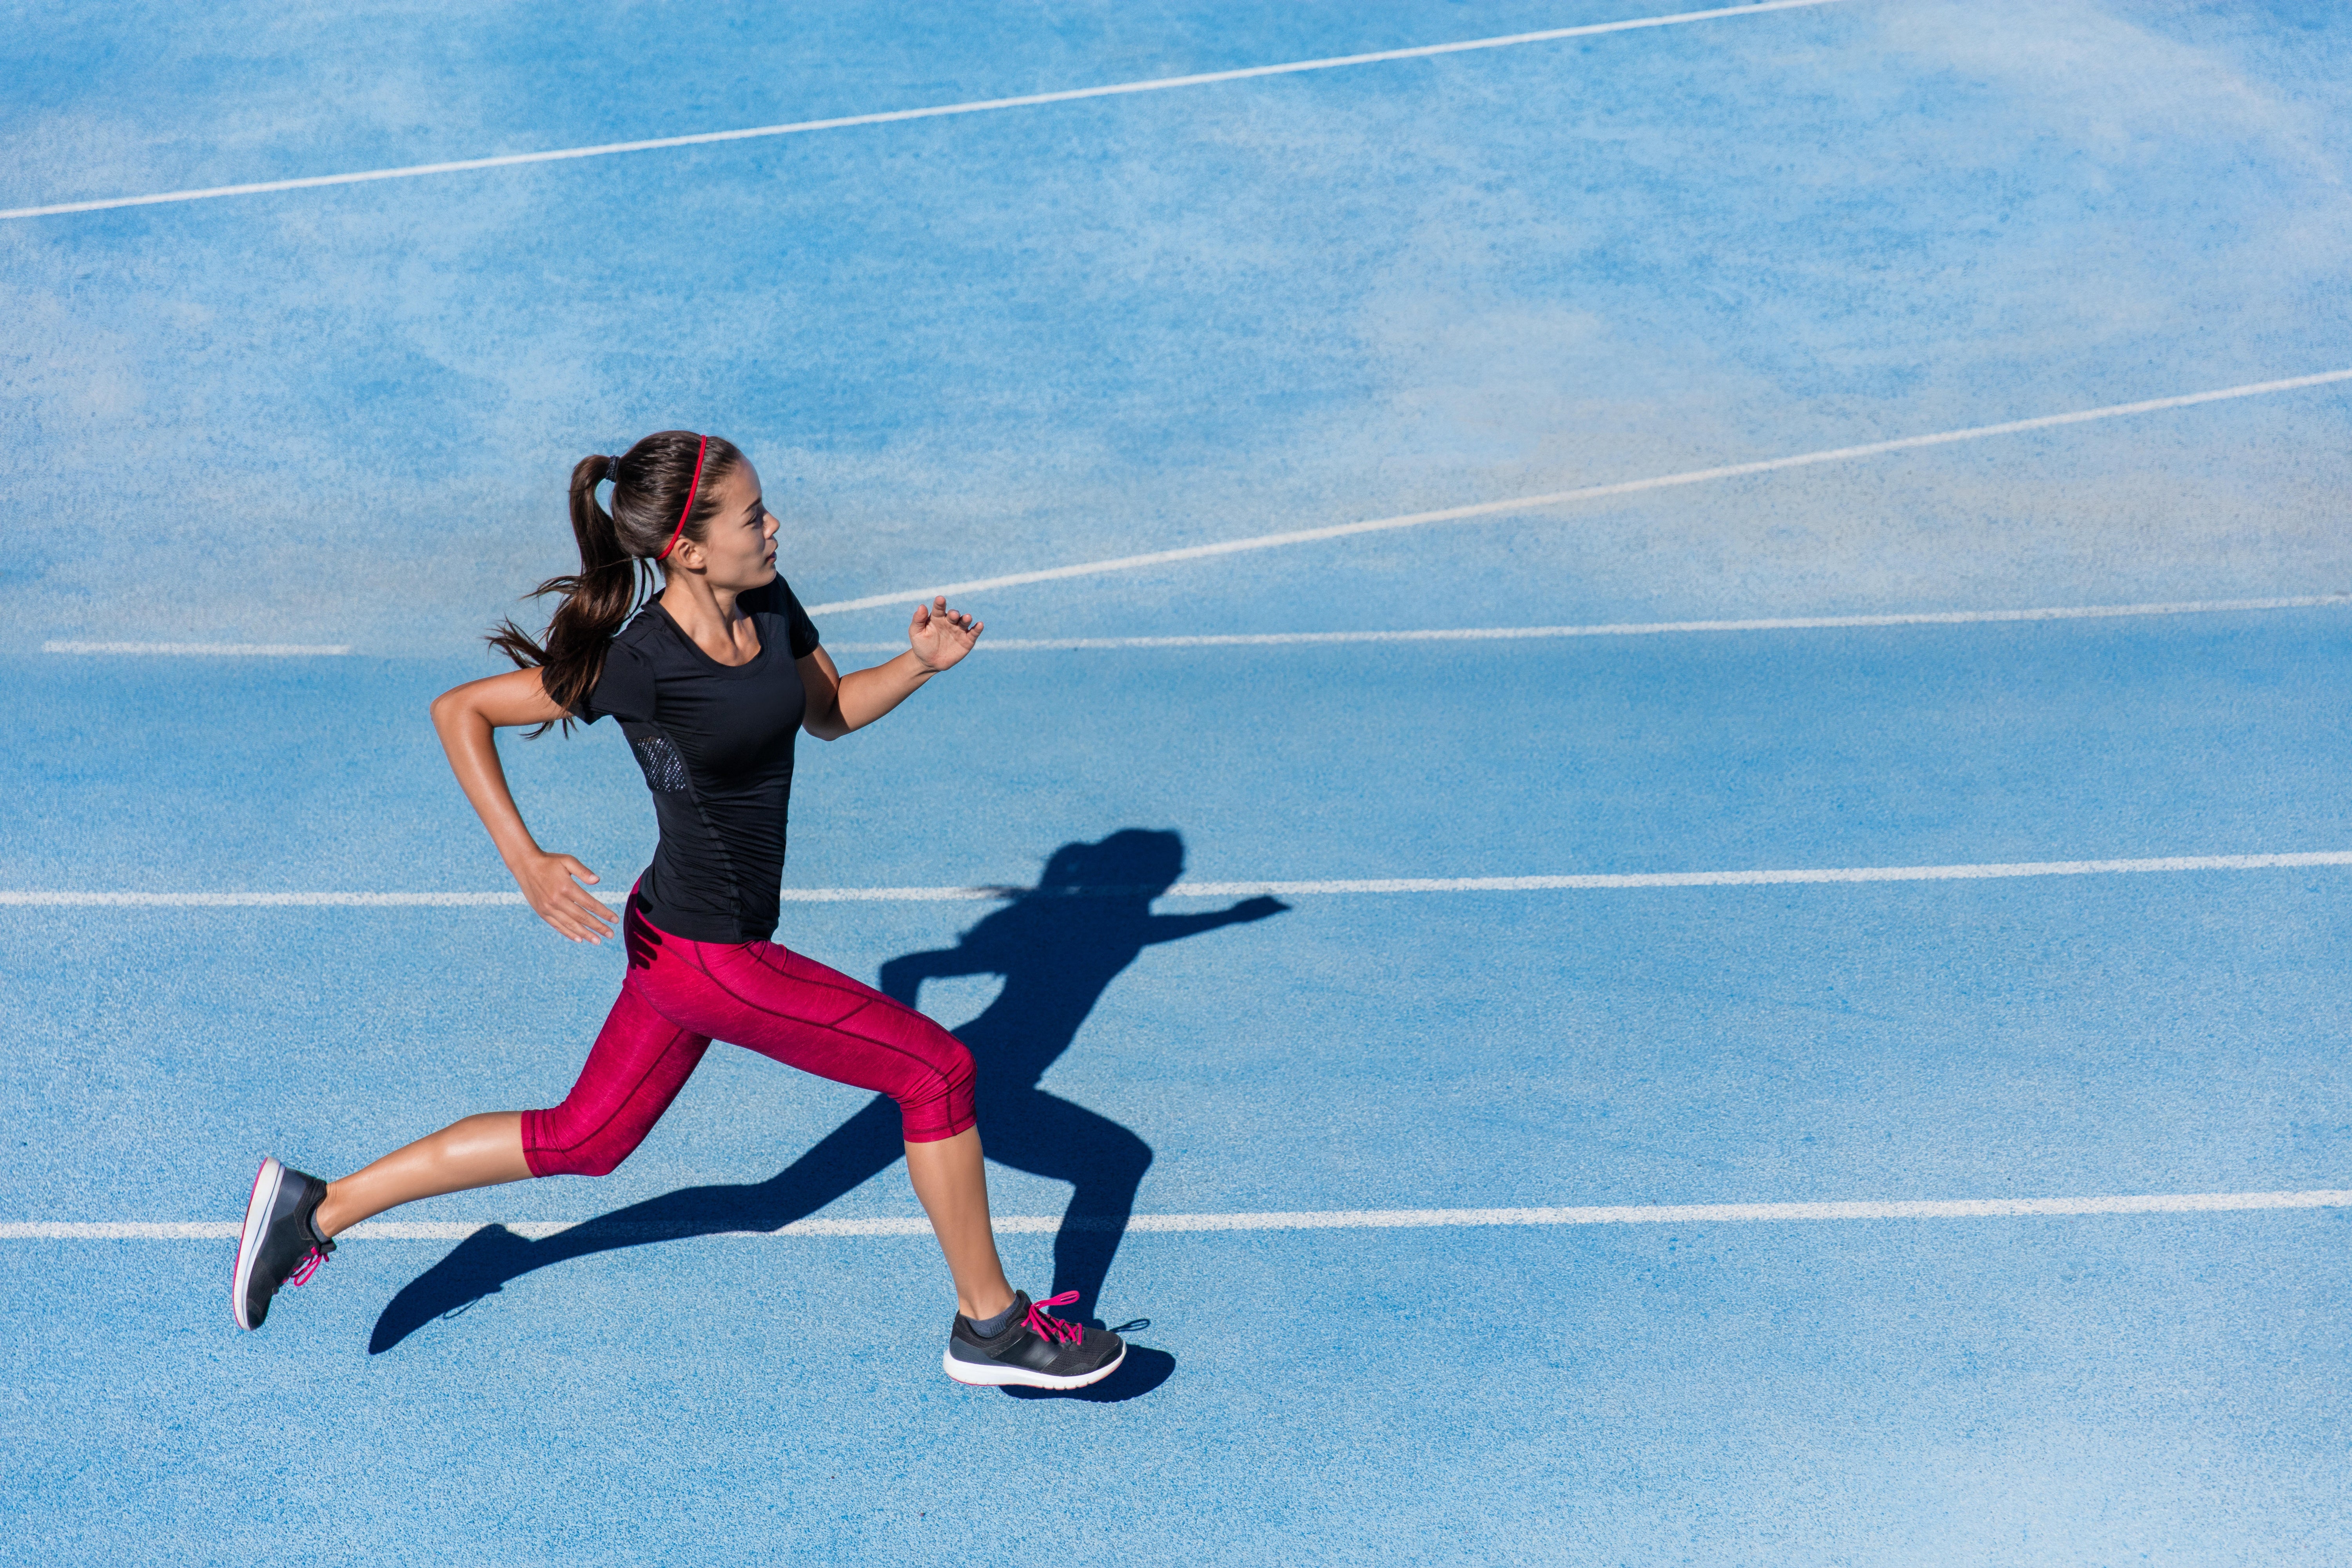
<point>280,1245</point>
<point>1036,1350</point>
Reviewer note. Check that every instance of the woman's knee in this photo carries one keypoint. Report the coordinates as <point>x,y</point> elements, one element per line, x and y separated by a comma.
<point>552,1147</point>
<point>586,1161</point>
<point>938,1101</point>
<point>636,1066</point>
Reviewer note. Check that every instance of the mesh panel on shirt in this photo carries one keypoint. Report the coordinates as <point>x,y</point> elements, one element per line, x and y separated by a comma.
<point>665,769</point>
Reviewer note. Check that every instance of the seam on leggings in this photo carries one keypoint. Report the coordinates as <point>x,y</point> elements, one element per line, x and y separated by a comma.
<point>864,1000</point>
<point>856,991</point>
<point>613,1115</point>
<point>947,1084</point>
<point>850,989</point>
<point>863,1003</point>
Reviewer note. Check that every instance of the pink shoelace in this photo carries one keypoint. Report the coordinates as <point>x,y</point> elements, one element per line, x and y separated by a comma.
<point>1045,1325</point>
<point>308,1267</point>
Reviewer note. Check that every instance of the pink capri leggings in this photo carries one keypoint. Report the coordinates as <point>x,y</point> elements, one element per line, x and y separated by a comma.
<point>681,995</point>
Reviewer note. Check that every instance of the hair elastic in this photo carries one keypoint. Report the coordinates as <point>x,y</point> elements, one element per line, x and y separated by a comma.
<point>697,485</point>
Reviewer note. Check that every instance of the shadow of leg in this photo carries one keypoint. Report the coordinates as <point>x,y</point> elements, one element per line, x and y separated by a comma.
<point>486,1261</point>
<point>1046,1135</point>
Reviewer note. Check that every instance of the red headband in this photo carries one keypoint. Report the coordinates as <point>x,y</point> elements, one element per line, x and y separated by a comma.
<point>697,485</point>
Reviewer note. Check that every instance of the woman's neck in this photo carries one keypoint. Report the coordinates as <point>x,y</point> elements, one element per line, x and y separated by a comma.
<point>711,617</point>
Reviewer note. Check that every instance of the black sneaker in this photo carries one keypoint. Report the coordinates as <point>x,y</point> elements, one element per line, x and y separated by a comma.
<point>1036,1349</point>
<point>280,1245</point>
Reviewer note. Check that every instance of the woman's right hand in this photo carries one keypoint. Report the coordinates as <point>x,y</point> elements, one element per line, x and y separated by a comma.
<point>547,885</point>
<point>468,719</point>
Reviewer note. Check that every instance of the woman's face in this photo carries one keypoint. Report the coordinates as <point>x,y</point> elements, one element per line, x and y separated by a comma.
<point>737,550</point>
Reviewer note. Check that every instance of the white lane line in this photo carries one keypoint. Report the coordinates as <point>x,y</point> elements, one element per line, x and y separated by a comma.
<point>1464,633</point>
<point>1586,882</point>
<point>205,649</point>
<point>982,105</point>
<point>905,596</point>
<point>1644,629</point>
<point>257,900</point>
<point>1621,881</point>
<point>1325,1219</point>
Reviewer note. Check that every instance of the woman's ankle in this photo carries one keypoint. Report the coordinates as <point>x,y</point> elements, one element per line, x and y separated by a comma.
<point>333,1216</point>
<point>989,1302</point>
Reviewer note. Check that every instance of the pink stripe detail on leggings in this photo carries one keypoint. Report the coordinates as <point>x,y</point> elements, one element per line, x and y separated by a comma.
<point>680,995</point>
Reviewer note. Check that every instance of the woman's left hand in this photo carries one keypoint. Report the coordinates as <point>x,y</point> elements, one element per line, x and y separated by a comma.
<point>940,636</point>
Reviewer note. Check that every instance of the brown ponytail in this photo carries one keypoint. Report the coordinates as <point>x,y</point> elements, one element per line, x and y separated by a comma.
<point>650,483</point>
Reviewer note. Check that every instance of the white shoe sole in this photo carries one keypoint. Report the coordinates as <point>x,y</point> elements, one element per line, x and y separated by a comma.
<point>988,1374</point>
<point>266,1183</point>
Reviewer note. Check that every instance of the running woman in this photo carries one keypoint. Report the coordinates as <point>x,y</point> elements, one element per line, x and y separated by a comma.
<point>709,682</point>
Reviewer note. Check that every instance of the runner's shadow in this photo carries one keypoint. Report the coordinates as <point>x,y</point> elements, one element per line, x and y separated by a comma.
<point>1059,946</point>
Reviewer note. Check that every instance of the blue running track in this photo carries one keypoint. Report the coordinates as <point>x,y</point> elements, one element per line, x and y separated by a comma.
<point>1254,1110</point>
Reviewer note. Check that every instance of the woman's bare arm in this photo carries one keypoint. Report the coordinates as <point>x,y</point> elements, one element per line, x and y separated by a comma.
<point>466,717</point>
<point>936,638</point>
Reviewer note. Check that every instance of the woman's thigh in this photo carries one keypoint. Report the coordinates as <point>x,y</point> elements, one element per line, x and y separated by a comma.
<point>639,1062</point>
<point>797,1011</point>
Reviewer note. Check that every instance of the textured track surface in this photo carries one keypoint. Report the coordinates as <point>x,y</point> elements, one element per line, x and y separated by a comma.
<point>965,347</point>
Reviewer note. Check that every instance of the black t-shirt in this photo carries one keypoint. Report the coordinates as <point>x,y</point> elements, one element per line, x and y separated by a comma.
<point>716,743</point>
